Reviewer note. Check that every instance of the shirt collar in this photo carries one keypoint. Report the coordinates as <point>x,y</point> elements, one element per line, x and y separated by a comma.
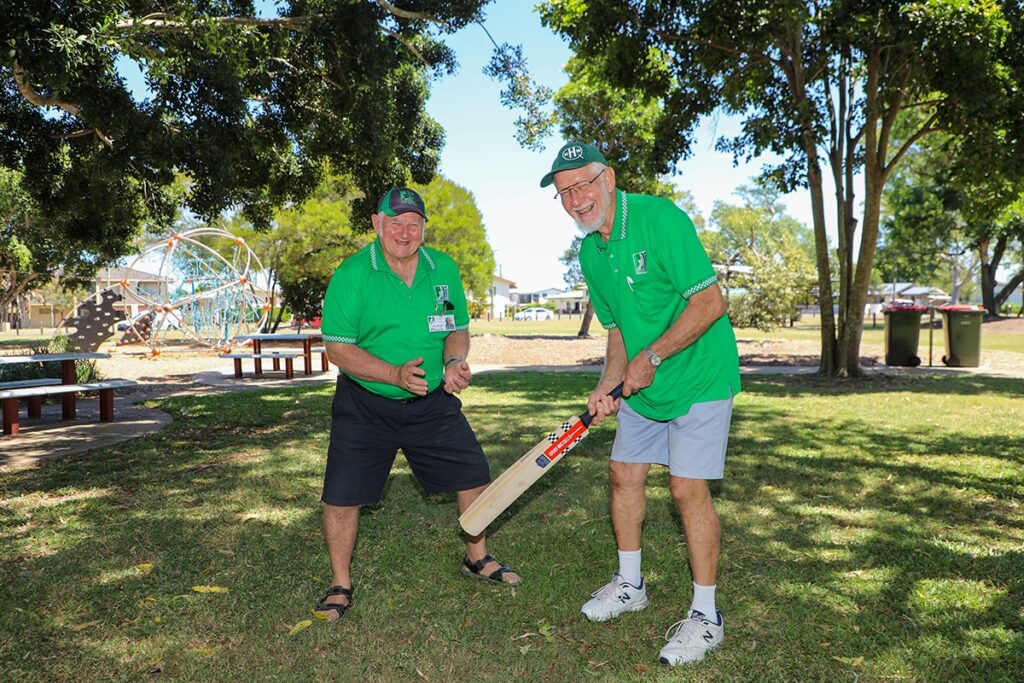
<point>377,260</point>
<point>618,225</point>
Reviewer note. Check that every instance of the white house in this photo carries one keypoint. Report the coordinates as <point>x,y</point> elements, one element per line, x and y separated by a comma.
<point>42,313</point>
<point>571,301</point>
<point>499,297</point>
<point>534,298</point>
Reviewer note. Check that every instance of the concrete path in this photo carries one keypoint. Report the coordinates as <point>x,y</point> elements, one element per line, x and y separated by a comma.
<point>50,437</point>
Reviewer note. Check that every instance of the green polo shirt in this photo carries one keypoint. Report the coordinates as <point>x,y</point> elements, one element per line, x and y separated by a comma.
<point>368,305</point>
<point>640,281</point>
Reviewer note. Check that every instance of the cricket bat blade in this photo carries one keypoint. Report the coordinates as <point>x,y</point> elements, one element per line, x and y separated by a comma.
<point>525,472</point>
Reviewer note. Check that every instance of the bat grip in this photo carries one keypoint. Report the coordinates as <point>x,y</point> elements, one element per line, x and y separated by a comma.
<point>586,418</point>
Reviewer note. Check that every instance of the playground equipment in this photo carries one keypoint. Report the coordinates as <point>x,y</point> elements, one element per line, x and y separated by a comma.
<point>206,290</point>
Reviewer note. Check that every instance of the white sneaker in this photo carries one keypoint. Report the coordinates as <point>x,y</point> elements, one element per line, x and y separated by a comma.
<point>615,598</point>
<point>689,639</point>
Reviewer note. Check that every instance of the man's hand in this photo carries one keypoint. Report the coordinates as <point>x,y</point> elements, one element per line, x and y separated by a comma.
<point>600,405</point>
<point>410,376</point>
<point>639,374</point>
<point>457,377</point>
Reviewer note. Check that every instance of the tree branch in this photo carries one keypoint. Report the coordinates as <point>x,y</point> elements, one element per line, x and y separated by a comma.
<point>406,14</point>
<point>925,129</point>
<point>164,23</point>
<point>403,41</point>
<point>33,96</point>
<point>672,37</point>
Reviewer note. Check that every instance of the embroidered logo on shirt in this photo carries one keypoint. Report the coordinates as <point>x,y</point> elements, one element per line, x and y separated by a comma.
<point>440,294</point>
<point>640,263</point>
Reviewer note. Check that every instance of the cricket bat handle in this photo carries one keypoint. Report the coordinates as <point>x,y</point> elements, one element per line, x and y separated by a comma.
<point>586,418</point>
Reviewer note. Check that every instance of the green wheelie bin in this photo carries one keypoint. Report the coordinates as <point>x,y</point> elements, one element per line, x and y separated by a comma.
<point>902,332</point>
<point>961,326</point>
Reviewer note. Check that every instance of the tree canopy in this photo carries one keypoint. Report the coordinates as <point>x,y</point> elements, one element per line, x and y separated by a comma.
<point>820,84</point>
<point>248,108</point>
<point>774,253</point>
<point>456,227</point>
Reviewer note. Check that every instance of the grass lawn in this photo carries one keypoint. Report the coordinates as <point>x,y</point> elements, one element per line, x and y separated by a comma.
<point>873,531</point>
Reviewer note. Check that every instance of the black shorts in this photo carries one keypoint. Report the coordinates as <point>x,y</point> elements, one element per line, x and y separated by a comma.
<point>367,430</point>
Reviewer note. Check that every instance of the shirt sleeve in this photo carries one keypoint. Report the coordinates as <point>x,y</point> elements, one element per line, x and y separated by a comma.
<point>681,253</point>
<point>341,313</point>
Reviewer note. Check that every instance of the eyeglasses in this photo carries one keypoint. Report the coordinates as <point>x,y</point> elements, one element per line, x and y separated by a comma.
<point>579,187</point>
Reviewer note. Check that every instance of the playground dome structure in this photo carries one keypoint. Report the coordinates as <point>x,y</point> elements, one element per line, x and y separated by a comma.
<point>208,293</point>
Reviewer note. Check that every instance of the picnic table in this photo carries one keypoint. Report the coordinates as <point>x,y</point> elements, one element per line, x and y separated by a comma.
<point>66,388</point>
<point>307,339</point>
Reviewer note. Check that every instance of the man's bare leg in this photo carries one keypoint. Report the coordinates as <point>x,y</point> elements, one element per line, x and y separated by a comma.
<point>476,546</point>
<point>341,526</point>
<point>703,531</point>
<point>629,503</point>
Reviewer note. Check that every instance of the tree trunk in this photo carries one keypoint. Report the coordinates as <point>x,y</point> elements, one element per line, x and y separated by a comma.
<point>989,267</point>
<point>588,317</point>
<point>814,184</point>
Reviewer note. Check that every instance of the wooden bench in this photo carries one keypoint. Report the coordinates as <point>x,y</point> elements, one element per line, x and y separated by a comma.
<point>276,356</point>
<point>9,399</point>
<point>324,363</point>
<point>35,403</point>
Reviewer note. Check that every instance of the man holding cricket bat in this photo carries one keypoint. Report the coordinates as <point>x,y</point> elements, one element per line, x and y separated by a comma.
<point>395,322</point>
<point>672,347</point>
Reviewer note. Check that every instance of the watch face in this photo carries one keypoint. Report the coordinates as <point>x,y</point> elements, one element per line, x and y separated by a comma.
<point>653,357</point>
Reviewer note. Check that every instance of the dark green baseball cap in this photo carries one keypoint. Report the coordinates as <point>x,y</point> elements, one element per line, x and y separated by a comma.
<point>573,154</point>
<point>400,200</point>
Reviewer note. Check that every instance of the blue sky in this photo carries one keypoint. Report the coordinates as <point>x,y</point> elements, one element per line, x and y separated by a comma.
<point>526,227</point>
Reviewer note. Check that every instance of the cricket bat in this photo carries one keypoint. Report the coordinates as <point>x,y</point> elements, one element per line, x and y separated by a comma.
<point>514,481</point>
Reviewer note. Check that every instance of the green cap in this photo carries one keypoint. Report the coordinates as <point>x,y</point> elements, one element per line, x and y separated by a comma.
<point>400,200</point>
<point>572,155</point>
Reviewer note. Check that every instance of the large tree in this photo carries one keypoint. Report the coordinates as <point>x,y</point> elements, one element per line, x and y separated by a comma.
<point>820,84</point>
<point>247,107</point>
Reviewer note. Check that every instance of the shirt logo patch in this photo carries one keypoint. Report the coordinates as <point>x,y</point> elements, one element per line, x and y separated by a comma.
<point>640,263</point>
<point>572,153</point>
<point>440,294</point>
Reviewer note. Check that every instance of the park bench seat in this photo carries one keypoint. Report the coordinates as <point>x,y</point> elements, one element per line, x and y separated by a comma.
<point>35,403</point>
<point>257,358</point>
<point>38,382</point>
<point>10,396</point>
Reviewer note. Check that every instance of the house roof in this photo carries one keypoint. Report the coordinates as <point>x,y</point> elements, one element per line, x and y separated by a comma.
<point>569,296</point>
<point>118,273</point>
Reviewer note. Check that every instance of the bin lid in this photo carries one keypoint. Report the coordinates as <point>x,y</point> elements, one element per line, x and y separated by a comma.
<point>903,305</point>
<point>963,308</point>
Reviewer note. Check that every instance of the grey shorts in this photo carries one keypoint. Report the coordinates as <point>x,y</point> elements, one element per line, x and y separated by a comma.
<point>691,446</point>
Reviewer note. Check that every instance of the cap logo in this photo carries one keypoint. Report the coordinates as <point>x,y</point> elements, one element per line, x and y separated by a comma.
<point>406,196</point>
<point>572,153</point>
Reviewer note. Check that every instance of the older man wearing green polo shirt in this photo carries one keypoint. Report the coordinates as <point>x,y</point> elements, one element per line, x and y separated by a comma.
<point>395,322</point>
<point>671,345</point>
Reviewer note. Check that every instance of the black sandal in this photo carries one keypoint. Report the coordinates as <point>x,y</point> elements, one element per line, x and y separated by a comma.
<point>473,570</point>
<point>339,607</point>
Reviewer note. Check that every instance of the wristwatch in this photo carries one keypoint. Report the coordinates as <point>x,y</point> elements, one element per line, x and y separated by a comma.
<point>653,357</point>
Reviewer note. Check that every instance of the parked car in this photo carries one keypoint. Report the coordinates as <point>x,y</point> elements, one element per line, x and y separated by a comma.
<point>533,314</point>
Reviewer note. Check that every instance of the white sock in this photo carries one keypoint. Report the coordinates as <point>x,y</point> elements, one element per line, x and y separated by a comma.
<point>629,567</point>
<point>704,601</point>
